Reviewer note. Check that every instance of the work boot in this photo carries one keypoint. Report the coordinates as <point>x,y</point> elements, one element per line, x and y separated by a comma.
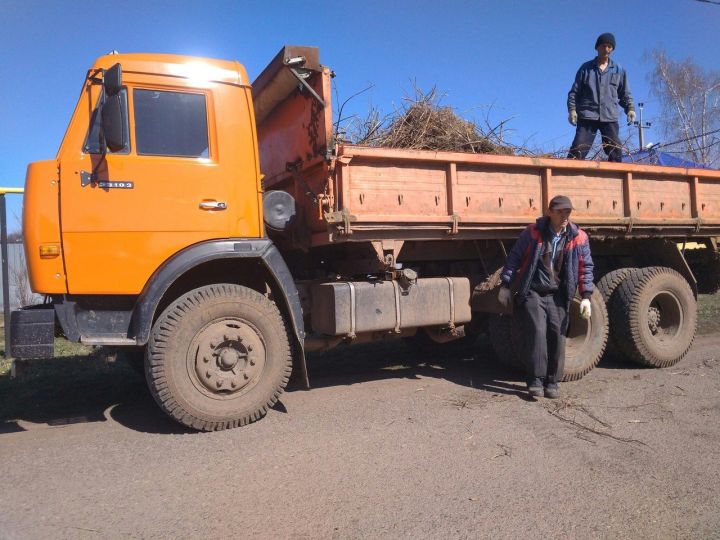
<point>535,388</point>
<point>552,391</point>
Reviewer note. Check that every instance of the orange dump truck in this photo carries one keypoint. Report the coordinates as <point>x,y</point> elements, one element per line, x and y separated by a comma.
<point>219,228</point>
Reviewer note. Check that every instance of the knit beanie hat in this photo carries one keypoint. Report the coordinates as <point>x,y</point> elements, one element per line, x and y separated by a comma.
<point>607,37</point>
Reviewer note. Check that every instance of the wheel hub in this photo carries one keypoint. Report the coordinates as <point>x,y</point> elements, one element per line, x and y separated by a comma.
<point>229,357</point>
<point>654,319</point>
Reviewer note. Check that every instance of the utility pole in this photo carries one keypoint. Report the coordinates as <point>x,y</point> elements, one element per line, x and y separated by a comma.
<point>641,125</point>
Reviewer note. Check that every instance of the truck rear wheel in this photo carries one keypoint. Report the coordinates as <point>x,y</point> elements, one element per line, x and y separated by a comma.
<point>607,286</point>
<point>584,345</point>
<point>218,357</point>
<point>586,339</point>
<point>503,334</point>
<point>655,316</point>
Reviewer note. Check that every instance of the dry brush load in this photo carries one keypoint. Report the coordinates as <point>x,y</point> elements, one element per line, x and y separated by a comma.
<point>422,123</point>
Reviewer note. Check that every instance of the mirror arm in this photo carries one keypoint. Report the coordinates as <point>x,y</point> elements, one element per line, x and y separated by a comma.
<point>96,167</point>
<point>93,77</point>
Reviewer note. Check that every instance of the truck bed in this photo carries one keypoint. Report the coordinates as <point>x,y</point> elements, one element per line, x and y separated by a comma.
<point>385,192</point>
<point>349,193</point>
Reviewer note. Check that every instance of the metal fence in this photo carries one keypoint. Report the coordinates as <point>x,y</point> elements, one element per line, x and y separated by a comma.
<point>19,285</point>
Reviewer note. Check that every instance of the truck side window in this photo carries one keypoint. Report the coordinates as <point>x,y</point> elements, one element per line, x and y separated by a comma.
<point>170,123</point>
<point>93,142</point>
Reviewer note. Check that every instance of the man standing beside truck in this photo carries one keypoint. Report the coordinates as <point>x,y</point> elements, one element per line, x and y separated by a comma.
<point>600,85</point>
<point>550,261</point>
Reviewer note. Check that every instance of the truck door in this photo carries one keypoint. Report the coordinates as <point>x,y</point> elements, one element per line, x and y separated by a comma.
<point>126,212</point>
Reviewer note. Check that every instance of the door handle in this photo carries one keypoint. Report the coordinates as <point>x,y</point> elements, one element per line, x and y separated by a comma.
<point>213,205</point>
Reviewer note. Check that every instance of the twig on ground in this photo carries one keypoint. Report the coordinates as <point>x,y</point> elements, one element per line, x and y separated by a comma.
<point>591,415</point>
<point>648,404</point>
<point>583,437</point>
<point>506,451</point>
<point>564,405</point>
<point>84,529</point>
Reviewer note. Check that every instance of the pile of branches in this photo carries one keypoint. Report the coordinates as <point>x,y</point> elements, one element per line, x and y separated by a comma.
<point>422,123</point>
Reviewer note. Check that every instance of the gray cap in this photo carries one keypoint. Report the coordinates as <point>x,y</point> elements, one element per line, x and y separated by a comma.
<point>560,202</point>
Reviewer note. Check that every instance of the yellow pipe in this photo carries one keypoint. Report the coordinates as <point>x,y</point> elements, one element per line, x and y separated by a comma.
<point>4,190</point>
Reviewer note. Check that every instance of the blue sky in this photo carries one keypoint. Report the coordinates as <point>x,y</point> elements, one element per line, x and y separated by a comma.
<point>516,59</point>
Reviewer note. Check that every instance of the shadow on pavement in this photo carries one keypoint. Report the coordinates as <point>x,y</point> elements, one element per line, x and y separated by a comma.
<point>475,368</point>
<point>78,389</point>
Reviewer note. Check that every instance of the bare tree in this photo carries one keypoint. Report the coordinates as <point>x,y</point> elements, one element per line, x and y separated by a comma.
<point>690,101</point>
<point>21,284</point>
<point>15,237</point>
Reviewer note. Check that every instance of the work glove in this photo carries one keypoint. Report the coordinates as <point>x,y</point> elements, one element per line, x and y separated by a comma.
<point>585,309</point>
<point>631,117</point>
<point>572,117</point>
<point>504,296</point>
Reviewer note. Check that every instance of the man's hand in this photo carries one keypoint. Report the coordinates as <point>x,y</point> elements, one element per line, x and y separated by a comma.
<point>504,296</point>
<point>572,117</point>
<point>631,117</point>
<point>585,309</point>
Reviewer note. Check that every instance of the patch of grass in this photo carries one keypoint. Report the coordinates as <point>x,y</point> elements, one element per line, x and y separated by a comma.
<point>708,313</point>
<point>63,349</point>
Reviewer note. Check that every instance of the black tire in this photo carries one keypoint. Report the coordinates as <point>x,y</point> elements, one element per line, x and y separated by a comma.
<point>502,329</point>
<point>586,339</point>
<point>654,317</point>
<point>584,345</point>
<point>464,346</point>
<point>218,357</point>
<point>607,286</point>
<point>705,266</point>
<point>611,281</point>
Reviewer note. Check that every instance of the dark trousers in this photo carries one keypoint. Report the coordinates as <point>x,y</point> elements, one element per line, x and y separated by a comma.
<point>543,323</point>
<point>585,135</point>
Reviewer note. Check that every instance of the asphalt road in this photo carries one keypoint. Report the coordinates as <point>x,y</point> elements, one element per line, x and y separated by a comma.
<point>388,444</point>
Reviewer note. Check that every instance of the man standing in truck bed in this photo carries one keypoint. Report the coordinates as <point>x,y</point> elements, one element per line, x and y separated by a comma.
<point>549,261</point>
<point>592,102</point>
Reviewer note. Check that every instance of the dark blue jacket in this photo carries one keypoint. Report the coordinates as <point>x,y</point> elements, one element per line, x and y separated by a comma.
<point>522,261</point>
<point>595,94</point>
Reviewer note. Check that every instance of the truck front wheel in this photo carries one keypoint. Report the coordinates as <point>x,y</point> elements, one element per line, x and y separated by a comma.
<point>218,357</point>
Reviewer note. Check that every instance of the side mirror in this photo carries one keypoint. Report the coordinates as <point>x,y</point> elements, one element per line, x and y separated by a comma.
<point>112,122</point>
<point>112,80</point>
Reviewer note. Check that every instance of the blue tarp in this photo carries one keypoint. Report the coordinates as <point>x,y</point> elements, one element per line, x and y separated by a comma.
<point>653,157</point>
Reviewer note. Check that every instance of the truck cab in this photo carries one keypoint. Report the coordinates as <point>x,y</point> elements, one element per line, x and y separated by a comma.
<point>112,212</point>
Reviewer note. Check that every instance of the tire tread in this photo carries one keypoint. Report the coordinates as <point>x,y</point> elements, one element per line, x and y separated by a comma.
<point>168,323</point>
<point>627,321</point>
